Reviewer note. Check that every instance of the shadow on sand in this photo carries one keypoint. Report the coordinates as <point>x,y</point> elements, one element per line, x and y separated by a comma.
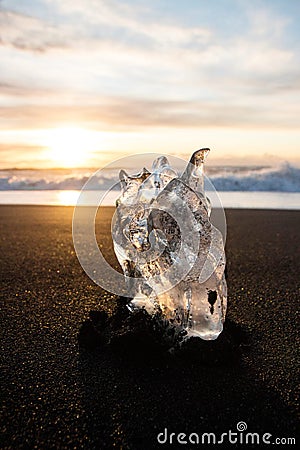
<point>133,390</point>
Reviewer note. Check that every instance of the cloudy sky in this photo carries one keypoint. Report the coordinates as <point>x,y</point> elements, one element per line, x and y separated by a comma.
<point>84,82</point>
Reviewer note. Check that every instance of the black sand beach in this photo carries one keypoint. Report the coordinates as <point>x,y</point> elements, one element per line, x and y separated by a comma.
<point>54,395</point>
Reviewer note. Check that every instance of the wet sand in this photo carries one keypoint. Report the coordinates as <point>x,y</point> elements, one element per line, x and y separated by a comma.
<point>54,395</point>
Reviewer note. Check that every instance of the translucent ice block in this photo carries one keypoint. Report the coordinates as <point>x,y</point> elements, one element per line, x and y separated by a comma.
<point>163,237</point>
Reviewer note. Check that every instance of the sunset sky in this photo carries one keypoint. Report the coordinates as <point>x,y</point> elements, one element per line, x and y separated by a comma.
<point>85,82</point>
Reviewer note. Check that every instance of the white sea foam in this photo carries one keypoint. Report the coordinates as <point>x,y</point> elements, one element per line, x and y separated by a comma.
<point>40,180</point>
<point>284,178</point>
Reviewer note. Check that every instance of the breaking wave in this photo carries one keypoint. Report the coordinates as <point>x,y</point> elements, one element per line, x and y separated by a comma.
<point>40,180</point>
<point>284,178</point>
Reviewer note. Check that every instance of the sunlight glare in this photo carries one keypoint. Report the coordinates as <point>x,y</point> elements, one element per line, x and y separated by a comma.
<point>68,198</point>
<point>69,147</point>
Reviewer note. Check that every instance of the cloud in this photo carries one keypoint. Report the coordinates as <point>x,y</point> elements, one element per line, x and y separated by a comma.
<point>17,155</point>
<point>129,21</point>
<point>126,114</point>
<point>100,22</point>
<point>28,33</point>
<point>122,66</point>
<point>119,32</point>
<point>25,91</point>
<point>265,24</point>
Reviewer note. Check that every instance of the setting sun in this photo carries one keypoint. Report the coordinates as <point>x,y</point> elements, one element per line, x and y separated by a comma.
<point>69,147</point>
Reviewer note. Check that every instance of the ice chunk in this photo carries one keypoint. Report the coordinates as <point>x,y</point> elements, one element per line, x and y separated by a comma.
<point>163,237</point>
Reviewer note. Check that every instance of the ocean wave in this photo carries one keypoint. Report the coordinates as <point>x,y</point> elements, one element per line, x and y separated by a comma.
<point>284,178</point>
<point>41,180</point>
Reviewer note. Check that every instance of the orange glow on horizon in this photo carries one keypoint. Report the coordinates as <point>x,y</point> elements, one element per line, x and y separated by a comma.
<point>69,147</point>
